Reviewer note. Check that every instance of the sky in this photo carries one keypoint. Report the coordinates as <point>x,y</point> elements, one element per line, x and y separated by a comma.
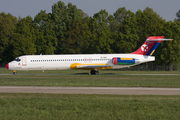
<point>167,9</point>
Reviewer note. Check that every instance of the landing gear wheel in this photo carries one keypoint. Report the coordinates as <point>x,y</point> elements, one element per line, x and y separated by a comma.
<point>93,72</point>
<point>14,73</point>
<point>97,72</point>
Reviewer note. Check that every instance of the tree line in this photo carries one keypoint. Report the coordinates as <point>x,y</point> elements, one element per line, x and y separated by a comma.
<point>68,30</point>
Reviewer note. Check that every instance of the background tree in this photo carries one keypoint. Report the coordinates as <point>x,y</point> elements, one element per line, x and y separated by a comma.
<point>169,52</point>
<point>127,38</point>
<point>77,37</point>
<point>178,16</point>
<point>24,40</point>
<point>119,16</point>
<point>7,28</point>
<point>71,43</point>
<point>85,40</point>
<point>149,24</point>
<point>46,40</point>
<point>101,33</point>
<point>63,17</point>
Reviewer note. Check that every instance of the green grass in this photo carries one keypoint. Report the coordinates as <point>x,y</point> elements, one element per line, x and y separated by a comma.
<point>88,107</point>
<point>88,80</point>
<point>80,78</point>
<point>86,72</point>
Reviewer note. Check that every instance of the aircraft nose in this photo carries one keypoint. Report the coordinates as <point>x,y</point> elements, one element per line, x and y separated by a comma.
<point>7,66</point>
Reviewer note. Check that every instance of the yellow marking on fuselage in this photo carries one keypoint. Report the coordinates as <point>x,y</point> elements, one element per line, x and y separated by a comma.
<point>152,52</point>
<point>126,59</point>
<point>75,66</point>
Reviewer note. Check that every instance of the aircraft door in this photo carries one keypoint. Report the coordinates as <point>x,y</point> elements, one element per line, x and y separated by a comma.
<point>24,61</point>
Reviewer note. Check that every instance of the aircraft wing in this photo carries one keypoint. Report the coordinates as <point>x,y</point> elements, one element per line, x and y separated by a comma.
<point>94,66</point>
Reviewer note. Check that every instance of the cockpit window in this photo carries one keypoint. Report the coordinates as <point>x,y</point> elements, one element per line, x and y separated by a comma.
<point>17,59</point>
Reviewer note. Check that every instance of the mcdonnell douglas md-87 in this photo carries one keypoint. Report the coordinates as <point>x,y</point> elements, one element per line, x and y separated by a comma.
<point>93,62</point>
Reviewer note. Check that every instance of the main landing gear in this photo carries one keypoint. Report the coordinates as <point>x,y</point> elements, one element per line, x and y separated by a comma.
<point>14,72</point>
<point>93,72</point>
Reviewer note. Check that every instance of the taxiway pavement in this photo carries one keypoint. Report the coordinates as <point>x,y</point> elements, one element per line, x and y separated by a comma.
<point>91,90</point>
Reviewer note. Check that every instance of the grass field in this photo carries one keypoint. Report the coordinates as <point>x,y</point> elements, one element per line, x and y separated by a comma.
<point>95,81</point>
<point>82,78</point>
<point>88,107</point>
<point>87,72</point>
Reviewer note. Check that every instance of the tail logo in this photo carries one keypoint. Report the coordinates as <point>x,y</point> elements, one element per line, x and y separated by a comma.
<point>144,48</point>
<point>150,45</point>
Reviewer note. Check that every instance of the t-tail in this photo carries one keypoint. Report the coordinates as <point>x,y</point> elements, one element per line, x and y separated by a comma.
<point>150,45</point>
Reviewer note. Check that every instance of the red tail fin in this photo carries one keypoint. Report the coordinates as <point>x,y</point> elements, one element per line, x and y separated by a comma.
<point>150,45</point>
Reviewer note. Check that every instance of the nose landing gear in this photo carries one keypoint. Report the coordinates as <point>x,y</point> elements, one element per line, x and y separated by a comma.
<point>94,72</point>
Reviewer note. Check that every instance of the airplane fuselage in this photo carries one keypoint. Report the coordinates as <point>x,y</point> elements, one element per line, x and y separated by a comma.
<point>78,61</point>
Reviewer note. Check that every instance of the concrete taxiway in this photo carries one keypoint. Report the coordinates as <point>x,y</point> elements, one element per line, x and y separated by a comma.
<point>91,90</point>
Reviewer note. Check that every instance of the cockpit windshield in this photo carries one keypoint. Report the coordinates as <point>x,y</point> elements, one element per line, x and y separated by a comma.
<point>17,59</point>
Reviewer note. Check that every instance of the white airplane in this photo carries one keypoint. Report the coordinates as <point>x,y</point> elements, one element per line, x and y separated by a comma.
<point>93,62</point>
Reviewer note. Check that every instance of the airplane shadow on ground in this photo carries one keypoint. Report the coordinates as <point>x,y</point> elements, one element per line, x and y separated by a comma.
<point>80,74</point>
<point>90,74</point>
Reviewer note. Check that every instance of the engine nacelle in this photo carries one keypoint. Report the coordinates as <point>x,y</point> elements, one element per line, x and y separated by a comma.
<point>124,61</point>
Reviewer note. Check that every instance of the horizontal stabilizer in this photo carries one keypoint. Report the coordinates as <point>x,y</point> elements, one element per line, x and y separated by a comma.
<point>158,40</point>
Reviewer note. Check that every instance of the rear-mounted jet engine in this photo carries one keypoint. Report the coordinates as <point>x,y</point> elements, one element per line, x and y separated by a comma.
<point>124,61</point>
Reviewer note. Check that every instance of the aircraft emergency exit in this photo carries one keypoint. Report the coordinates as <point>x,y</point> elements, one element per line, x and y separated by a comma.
<point>93,62</point>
